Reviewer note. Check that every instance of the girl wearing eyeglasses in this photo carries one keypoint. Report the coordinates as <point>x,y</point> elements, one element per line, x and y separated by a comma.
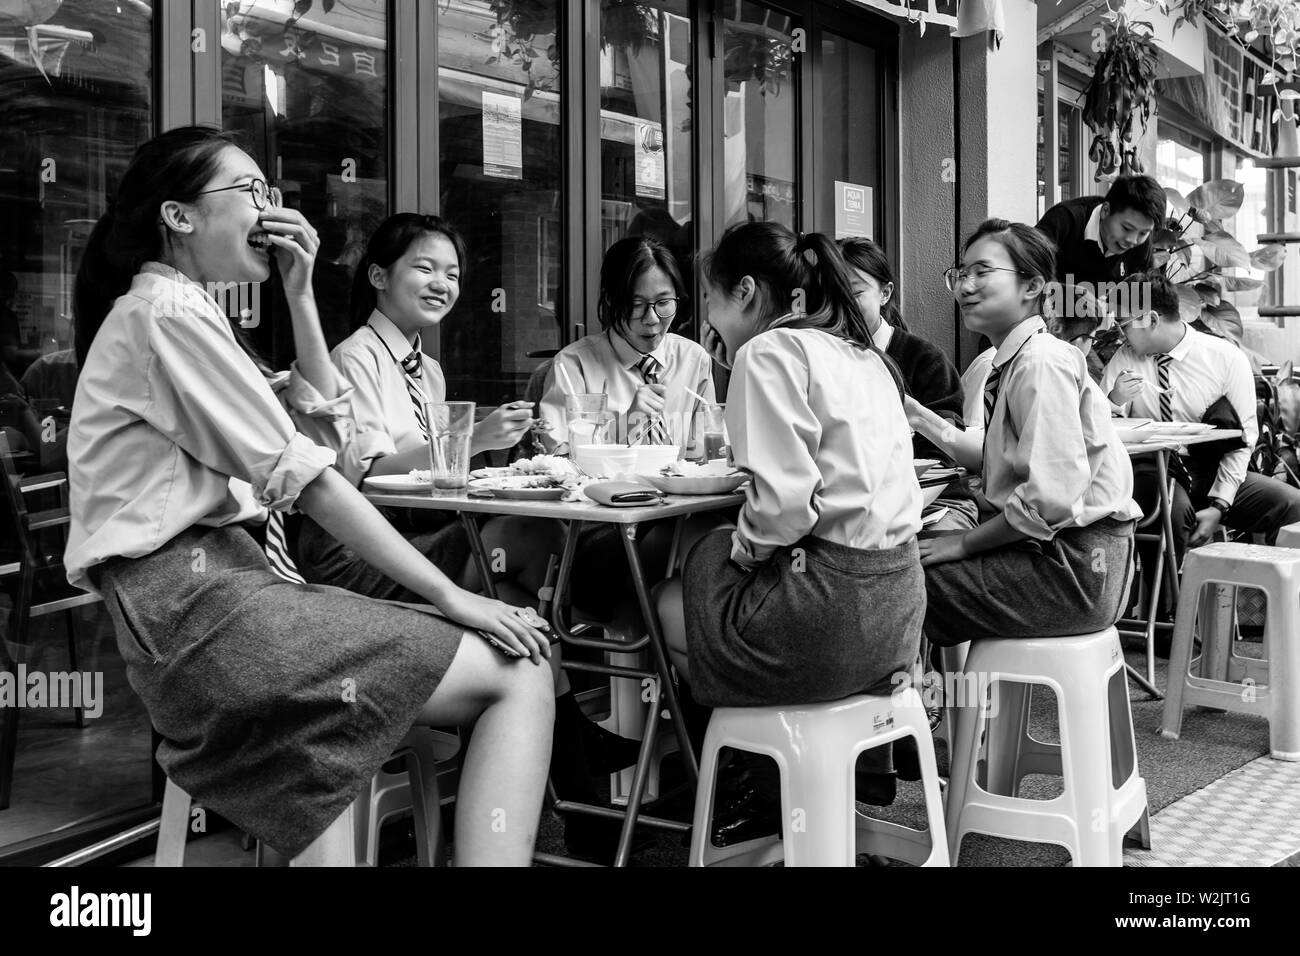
<point>1054,559</point>
<point>636,359</point>
<point>277,702</point>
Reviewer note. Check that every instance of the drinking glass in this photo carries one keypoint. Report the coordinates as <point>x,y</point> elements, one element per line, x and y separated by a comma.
<point>584,410</point>
<point>451,428</point>
<point>709,435</point>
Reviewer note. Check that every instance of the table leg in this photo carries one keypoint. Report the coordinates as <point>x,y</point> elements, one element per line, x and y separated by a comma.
<point>667,694</point>
<point>479,550</point>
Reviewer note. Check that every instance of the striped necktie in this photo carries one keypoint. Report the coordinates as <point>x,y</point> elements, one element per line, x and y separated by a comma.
<point>1177,467</point>
<point>277,549</point>
<point>651,432</point>
<point>413,372</point>
<point>991,386</point>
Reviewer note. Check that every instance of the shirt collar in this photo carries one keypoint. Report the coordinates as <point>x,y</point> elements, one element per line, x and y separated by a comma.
<point>399,346</point>
<point>1093,229</point>
<point>1184,347</point>
<point>194,292</point>
<point>628,356</point>
<point>883,335</point>
<point>1016,340</point>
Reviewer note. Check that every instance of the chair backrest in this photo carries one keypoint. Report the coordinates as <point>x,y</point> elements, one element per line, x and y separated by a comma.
<point>15,508</point>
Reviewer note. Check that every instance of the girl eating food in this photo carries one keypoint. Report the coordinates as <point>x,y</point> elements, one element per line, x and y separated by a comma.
<point>179,444</point>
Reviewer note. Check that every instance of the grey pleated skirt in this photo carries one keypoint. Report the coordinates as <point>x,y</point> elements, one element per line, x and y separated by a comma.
<point>1075,583</point>
<point>276,702</point>
<point>818,622</point>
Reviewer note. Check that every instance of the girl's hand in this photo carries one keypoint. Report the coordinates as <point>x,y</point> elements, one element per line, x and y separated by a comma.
<point>914,410</point>
<point>518,628</point>
<point>504,427</point>
<point>939,550</point>
<point>714,345</point>
<point>295,243</point>
<point>649,401</point>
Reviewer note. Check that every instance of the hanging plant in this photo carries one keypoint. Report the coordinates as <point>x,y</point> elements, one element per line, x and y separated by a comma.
<point>1120,98</point>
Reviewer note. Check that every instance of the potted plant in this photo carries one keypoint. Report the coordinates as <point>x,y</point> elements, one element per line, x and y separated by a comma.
<point>1120,98</point>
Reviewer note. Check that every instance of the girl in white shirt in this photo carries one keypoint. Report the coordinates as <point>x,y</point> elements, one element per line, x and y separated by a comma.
<point>818,592</point>
<point>277,702</point>
<point>1055,558</point>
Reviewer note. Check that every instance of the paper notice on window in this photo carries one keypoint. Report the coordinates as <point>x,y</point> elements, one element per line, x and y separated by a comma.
<point>854,213</point>
<point>503,136</point>
<point>650,160</point>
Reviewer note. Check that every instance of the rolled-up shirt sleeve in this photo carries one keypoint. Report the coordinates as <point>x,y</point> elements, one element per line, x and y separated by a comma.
<point>1044,442</point>
<point>774,438</point>
<point>371,439</point>
<point>213,402</point>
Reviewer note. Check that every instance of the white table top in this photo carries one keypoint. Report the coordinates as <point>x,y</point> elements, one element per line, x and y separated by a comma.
<point>672,506</point>
<point>1174,443</point>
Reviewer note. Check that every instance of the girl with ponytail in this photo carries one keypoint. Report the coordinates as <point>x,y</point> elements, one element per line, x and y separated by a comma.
<point>816,418</point>
<point>179,444</point>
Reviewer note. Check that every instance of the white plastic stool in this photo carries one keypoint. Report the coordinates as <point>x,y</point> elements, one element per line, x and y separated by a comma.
<point>952,680</point>
<point>1276,572</point>
<point>335,847</point>
<point>1104,796</point>
<point>414,789</point>
<point>1289,536</point>
<point>816,748</point>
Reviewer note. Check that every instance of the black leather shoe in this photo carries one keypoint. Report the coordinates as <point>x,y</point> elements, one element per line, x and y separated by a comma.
<point>876,789</point>
<point>607,752</point>
<point>750,814</point>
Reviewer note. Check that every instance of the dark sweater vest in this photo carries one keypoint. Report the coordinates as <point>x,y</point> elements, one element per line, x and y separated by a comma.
<point>1082,259</point>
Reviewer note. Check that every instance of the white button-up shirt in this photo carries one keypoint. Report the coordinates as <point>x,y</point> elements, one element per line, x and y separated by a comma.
<point>1204,369</point>
<point>1052,457</point>
<point>371,359</point>
<point>173,425</point>
<point>820,426</point>
<point>606,363</point>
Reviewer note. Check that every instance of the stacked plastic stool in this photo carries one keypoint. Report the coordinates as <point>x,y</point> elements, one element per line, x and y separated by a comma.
<point>1104,797</point>
<point>816,748</point>
<point>1272,688</point>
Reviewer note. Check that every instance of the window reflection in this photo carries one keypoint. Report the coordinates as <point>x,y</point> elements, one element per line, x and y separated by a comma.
<point>310,98</point>
<point>501,177</point>
<point>645,125</point>
<point>76,81</point>
<point>760,111</point>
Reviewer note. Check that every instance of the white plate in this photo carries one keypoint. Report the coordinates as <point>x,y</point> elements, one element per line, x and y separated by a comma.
<point>696,485</point>
<point>514,487</point>
<point>399,485</point>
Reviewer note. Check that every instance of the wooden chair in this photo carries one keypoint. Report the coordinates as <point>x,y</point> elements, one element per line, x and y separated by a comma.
<point>42,587</point>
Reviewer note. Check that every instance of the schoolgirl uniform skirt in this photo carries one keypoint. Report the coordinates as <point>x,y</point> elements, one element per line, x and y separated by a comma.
<point>276,702</point>
<point>818,622</point>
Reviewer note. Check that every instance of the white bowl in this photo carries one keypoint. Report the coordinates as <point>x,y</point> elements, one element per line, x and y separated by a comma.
<point>605,461</point>
<point>652,459</point>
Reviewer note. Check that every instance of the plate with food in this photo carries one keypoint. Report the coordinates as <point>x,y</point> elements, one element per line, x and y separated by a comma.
<point>553,466</point>
<point>521,487</point>
<point>415,483</point>
<point>689,478</point>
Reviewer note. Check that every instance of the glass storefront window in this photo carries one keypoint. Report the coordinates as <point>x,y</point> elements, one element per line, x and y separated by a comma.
<point>311,102</point>
<point>1246,227</point>
<point>760,116</point>
<point>501,176</point>
<point>646,139</point>
<point>76,95</point>
<point>848,100</point>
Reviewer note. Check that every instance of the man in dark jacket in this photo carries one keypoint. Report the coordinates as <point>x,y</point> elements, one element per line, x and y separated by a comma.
<point>1102,240</point>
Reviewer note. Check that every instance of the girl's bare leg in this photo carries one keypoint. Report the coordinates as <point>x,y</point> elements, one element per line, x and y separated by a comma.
<point>511,704</point>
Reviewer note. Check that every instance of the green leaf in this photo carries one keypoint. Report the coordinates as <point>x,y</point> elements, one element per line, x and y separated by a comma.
<point>1189,303</point>
<point>1208,293</point>
<point>1218,198</point>
<point>1269,257</point>
<point>1177,200</point>
<point>1240,283</point>
<point>1164,239</point>
<point>1226,320</point>
<point>1224,251</point>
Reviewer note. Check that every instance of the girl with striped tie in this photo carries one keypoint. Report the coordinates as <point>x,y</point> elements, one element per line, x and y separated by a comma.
<point>178,446</point>
<point>1054,558</point>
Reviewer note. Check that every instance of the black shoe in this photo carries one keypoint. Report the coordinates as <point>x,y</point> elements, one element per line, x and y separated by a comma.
<point>750,814</point>
<point>907,762</point>
<point>607,752</point>
<point>595,839</point>
<point>877,789</point>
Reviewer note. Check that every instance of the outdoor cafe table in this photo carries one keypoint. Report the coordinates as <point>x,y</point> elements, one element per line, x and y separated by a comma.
<point>629,520</point>
<point>1166,556</point>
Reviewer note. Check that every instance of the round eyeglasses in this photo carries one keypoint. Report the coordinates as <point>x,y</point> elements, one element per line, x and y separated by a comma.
<point>664,308</point>
<point>955,277</point>
<point>262,193</point>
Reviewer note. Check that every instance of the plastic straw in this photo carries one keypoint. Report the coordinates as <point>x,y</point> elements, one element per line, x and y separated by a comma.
<point>567,384</point>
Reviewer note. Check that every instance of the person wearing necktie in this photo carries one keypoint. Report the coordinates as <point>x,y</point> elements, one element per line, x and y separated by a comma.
<point>1167,370</point>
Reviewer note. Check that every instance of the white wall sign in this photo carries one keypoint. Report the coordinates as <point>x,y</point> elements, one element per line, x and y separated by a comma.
<point>503,136</point>
<point>854,212</point>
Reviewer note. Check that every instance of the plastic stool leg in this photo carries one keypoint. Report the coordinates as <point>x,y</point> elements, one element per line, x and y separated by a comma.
<point>335,847</point>
<point>1180,654</point>
<point>1006,732</point>
<point>1283,628</point>
<point>818,809</point>
<point>173,827</point>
